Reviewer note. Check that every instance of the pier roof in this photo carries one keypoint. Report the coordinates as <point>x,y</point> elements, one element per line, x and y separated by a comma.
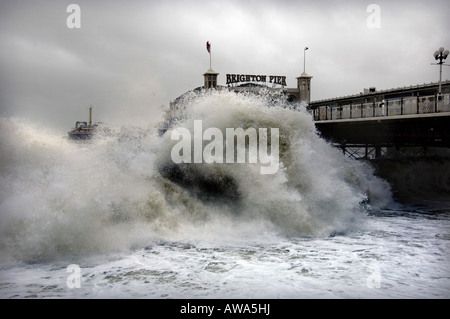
<point>384,92</point>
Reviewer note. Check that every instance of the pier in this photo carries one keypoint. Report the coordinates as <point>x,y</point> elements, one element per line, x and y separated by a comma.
<point>408,121</point>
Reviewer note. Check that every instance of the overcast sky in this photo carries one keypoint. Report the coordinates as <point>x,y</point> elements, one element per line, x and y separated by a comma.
<point>131,57</point>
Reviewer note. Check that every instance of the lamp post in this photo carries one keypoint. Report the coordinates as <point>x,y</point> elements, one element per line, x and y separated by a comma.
<point>440,55</point>
<point>304,59</point>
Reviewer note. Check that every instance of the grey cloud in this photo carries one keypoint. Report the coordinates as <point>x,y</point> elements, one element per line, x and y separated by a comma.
<point>130,57</point>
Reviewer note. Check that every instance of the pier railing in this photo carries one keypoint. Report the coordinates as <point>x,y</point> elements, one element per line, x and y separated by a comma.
<point>389,107</point>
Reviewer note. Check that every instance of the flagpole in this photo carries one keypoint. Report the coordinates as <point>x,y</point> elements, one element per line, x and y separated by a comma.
<point>304,59</point>
<point>208,47</point>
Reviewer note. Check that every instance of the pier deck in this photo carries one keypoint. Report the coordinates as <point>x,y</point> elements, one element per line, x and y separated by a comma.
<point>366,130</point>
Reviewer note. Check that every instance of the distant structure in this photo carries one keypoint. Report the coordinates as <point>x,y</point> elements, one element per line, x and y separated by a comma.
<point>83,130</point>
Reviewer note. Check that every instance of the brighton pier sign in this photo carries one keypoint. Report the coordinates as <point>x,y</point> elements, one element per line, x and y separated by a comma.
<point>275,79</point>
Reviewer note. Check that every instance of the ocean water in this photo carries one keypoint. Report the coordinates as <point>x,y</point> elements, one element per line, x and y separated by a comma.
<point>113,217</point>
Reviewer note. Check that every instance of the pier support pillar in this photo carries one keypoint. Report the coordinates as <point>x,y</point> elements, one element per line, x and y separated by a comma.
<point>377,151</point>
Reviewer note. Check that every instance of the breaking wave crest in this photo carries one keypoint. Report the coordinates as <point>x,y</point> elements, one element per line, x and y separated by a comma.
<point>121,190</point>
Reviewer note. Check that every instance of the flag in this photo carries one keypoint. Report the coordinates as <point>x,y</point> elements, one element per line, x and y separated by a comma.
<point>306,48</point>
<point>208,47</point>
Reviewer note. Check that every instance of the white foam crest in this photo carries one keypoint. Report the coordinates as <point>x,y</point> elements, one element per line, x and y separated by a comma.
<point>318,191</point>
<point>60,198</point>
